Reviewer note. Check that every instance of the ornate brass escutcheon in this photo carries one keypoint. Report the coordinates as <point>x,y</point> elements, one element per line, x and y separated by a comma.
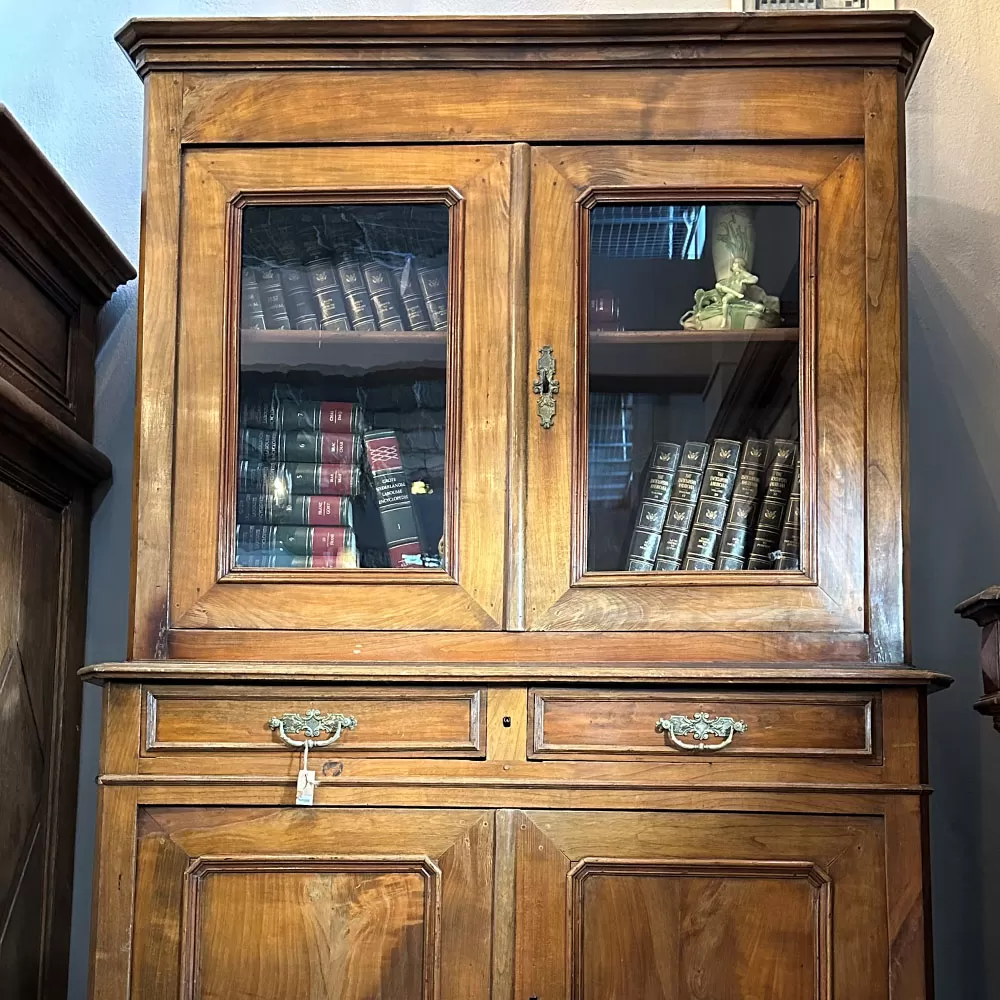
<point>312,724</point>
<point>546,386</point>
<point>701,728</point>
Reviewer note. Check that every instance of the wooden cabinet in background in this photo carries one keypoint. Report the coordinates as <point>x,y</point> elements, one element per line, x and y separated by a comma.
<point>424,301</point>
<point>57,268</point>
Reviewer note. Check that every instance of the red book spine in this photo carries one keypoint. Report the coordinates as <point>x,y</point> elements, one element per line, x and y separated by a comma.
<point>393,493</point>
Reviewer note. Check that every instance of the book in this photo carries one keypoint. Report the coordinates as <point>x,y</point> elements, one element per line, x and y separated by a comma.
<point>297,540</point>
<point>263,508</point>
<point>321,273</point>
<point>356,296</point>
<point>251,308</point>
<point>777,487</point>
<point>680,512</point>
<point>285,560</point>
<point>315,447</point>
<point>433,282</point>
<point>382,290</point>
<point>272,298</point>
<point>270,414</point>
<point>280,479</point>
<point>736,535</point>
<point>713,504</point>
<point>392,491</point>
<point>410,296</point>
<point>658,485</point>
<point>299,300</point>
<point>787,556</point>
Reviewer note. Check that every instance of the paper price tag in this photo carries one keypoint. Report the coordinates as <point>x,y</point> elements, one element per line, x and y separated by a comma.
<point>305,788</point>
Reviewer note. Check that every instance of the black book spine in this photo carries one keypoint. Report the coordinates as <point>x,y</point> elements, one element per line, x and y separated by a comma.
<point>262,508</point>
<point>329,296</point>
<point>433,283</point>
<point>382,290</point>
<point>251,308</point>
<point>657,488</point>
<point>359,302</point>
<point>788,555</point>
<point>272,298</point>
<point>737,534</point>
<point>680,512</point>
<point>777,487</point>
<point>392,488</point>
<point>298,296</point>
<point>411,297</point>
<point>713,505</point>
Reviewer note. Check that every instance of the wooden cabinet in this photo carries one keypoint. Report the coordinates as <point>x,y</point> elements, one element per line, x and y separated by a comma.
<point>522,423</point>
<point>57,268</point>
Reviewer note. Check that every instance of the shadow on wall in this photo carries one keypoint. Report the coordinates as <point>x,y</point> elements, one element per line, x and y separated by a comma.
<point>955,551</point>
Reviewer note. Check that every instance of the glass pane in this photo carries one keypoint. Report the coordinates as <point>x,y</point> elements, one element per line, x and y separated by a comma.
<point>693,335</point>
<point>343,361</point>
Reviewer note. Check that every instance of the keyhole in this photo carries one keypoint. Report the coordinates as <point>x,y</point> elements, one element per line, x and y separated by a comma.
<point>506,722</point>
<point>545,384</point>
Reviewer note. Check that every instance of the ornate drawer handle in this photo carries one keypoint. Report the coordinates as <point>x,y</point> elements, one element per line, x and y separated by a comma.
<point>546,386</point>
<point>701,727</point>
<point>311,725</point>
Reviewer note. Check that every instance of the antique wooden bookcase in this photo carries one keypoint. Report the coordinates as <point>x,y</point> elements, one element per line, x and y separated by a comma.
<point>468,284</point>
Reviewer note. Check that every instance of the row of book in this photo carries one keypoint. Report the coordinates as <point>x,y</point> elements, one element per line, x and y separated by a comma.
<point>728,505</point>
<point>355,291</point>
<point>301,467</point>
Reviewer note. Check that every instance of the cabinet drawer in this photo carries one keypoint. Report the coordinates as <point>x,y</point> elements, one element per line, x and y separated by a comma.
<point>391,722</point>
<point>594,725</point>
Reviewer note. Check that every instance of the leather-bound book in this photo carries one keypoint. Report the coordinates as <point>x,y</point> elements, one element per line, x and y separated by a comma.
<point>392,490</point>
<point>680,513</point>
<point>356,296</point>
<point>272,297</point>
<point>742,516</point>
<point>788,556</point>
<point>410,296</point>
<point>271,414</point>
<point>313,447</point>
<point>382,289</point>
<point>433,282</point>
<point>263,508</point>
<point>321,273</point>
<point>299,478</point>
<point>713,505</point>
<point>777,487</point>
<point>285,560</point>
<point>251,307</point>
<point>299,299</point>
<point>658,485</point>
<point>294,539</point>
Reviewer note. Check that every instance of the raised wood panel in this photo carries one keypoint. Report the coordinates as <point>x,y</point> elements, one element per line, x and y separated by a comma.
<point>353,903</point>
<point>691,905</point>
<point>596,724</point>
<point>657,929</point>
<point>831,596</point>
<point>470,595</point>
<point>531,105</point>
<point>403,722</point>
<point>360,927</point>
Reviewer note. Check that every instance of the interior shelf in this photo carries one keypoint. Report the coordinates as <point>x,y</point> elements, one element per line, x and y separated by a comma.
<point>369,349</point>
<point>629,337</point>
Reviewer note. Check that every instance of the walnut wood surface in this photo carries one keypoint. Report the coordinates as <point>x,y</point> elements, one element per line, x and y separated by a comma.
<point>505,821</point>
<point>57,267</point>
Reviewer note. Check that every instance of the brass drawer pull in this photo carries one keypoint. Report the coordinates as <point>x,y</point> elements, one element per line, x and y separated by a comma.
<point>312,724</point>
<point>701,727</point>
<point>546,386</point>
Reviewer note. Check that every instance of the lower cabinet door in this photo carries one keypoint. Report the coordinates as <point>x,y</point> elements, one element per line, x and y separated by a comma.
<point>274,904</point>
<point>700,906</point>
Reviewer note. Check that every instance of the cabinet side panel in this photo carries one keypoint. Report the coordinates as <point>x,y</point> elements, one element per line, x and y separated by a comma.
<point>887,480</point>
<point>154,412</point>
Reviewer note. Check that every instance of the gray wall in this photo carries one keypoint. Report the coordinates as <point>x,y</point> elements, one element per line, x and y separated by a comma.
<point>64,78</point>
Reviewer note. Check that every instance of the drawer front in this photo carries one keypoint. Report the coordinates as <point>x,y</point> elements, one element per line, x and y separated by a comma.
<point>391,722</point>
<point>596,725</point>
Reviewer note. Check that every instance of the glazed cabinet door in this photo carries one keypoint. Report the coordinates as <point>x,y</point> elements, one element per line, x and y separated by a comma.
<point>278,903</point>
<point>342,372</point>
<point>696,448</point>
<point>690,905</point>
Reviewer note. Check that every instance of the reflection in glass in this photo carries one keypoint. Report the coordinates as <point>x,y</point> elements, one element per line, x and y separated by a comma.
<point>343,359</point>
<point>693,314</point>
